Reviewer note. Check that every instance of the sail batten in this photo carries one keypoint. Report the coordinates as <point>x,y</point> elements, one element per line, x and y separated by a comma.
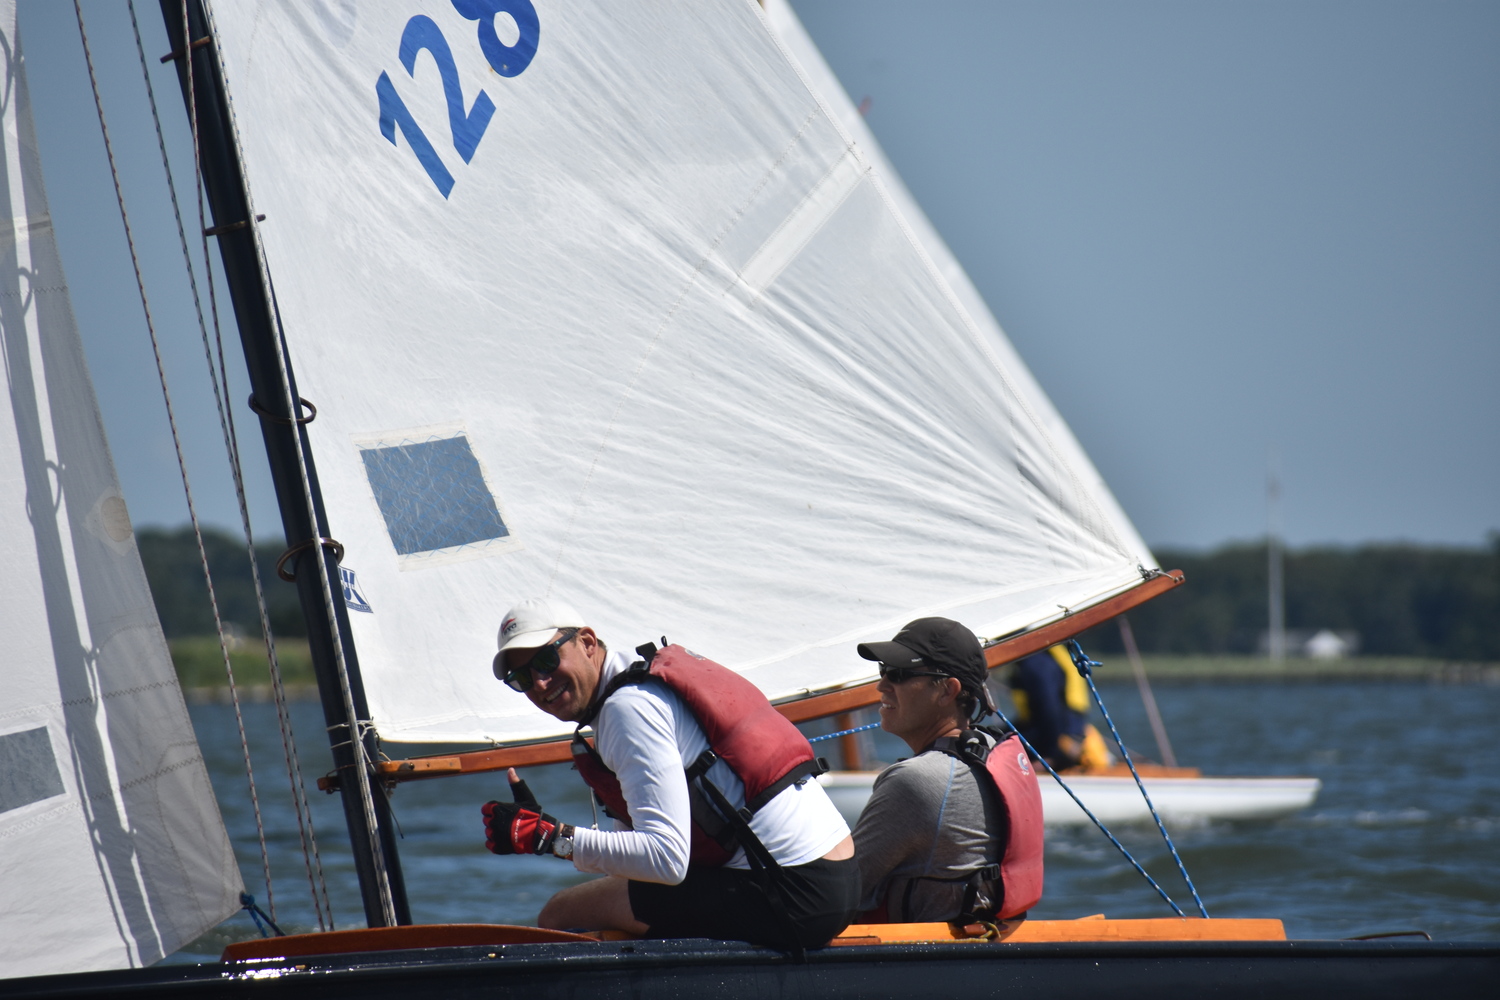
<point>667,346</point>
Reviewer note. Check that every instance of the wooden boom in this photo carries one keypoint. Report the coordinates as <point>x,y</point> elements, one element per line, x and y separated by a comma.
<point>799,710</point>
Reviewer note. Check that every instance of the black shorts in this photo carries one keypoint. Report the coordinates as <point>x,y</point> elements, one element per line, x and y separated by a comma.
<point>730,904</point>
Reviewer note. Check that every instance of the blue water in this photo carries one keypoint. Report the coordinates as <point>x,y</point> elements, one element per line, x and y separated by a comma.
<point>1405,834</point>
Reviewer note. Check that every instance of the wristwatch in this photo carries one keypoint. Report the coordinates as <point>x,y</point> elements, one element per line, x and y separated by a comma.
<point>562,844</point>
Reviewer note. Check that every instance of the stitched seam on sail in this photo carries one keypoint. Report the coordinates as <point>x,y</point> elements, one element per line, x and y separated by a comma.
<point>812,213</point>
<point>75,800</point>
<point>89,700</point>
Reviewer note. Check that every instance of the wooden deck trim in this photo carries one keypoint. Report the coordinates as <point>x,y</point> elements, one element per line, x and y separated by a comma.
<point>801,710</point>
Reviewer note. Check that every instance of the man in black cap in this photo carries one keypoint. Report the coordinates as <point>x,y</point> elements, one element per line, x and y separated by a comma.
<point>944,831</point>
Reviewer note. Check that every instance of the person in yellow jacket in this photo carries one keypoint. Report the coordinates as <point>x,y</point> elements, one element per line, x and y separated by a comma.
<point>1052,705</point>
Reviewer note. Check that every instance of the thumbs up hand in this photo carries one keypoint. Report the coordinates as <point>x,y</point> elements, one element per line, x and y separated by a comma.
<point>519,826</point>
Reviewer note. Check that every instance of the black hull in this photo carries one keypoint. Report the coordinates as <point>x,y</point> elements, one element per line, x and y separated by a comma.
<point>691,969</point>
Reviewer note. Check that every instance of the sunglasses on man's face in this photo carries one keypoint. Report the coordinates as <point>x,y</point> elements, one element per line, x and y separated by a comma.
<point>900,675</point>
<point>545,662</point>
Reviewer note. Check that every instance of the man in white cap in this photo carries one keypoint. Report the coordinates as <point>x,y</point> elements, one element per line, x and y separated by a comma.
<point>719,831</point>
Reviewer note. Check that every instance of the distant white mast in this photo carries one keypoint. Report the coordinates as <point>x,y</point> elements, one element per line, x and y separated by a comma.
<point>1276,596</point>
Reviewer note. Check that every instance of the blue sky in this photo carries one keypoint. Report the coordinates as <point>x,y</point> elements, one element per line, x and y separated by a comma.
<point>1213,230</point>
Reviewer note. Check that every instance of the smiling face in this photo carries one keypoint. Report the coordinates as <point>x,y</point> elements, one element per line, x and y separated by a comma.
<point>567,691</point>
<point>920,709</point>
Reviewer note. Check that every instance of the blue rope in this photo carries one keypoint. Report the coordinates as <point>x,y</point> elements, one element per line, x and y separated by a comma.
<point>843,732</point>
<point>262,922</point>
<point>1079,802</point>
<point>1085,666</point>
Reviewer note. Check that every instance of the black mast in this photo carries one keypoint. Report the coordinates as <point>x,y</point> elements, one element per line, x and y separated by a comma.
<point>261,338</point>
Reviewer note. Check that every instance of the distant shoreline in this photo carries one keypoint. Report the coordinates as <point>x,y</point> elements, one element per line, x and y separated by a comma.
<point>200,668</point>
<point>1201,669</point>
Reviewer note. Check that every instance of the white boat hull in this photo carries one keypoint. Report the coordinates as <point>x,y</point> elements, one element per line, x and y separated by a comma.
<point>1116,800</point>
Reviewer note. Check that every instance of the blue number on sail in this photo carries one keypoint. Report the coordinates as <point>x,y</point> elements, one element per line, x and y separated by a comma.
<point>507,60</point>
<point>393,112</point>
<point>421,33</point>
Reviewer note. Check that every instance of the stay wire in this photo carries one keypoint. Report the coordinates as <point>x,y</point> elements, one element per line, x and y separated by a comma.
<point>362,763</point>
<point>1085,666</point>
<point>181,460</point>
<point>312,860</point>
<point>1089,813</point>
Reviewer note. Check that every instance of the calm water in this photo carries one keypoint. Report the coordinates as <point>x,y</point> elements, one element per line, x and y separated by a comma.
<point>1405,834</point>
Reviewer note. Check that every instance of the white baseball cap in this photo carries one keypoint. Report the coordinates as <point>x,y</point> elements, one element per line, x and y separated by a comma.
<point>535,621</point>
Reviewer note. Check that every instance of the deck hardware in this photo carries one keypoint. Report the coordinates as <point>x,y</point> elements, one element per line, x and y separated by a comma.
<point>198,43</point>
<point>330,543</point>
<point>266,414</point>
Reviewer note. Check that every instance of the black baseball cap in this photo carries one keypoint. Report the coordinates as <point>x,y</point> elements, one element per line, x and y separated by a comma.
<point>938,644</point>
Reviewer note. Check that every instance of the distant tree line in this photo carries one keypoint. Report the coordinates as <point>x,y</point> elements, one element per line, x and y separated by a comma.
<point>1403,600</point>
<point>175,572</point>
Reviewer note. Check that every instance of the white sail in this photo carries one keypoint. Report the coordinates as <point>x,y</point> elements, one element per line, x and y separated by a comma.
<point>112,850</point>
<point>599,300</point>
<point>815,70</point>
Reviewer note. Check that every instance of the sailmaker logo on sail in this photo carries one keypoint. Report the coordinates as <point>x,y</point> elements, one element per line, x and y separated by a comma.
<point>352,597</point>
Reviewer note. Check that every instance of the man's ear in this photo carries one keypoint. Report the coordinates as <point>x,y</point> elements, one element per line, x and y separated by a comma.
<point>952,688</point>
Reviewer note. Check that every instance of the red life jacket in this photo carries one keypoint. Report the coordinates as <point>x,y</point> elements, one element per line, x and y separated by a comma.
<point>1014,779</point>
<point>1015,882</point>
<point>765,751</point>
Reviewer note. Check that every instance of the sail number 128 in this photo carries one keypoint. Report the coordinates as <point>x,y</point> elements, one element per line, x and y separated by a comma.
<point>467,126</point>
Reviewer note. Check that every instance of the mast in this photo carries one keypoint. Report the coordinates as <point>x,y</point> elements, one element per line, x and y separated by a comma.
<point>1275,591</point>
<point>376,861</point>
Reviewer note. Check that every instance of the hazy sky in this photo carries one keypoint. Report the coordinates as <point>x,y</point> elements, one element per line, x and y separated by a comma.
<point>1212,229</point>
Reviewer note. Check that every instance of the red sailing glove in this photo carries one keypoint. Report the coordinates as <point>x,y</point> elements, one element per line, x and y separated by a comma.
<point>518,827</point>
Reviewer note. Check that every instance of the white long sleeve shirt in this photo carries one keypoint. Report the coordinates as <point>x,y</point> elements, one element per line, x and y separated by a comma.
<point>647,737</point>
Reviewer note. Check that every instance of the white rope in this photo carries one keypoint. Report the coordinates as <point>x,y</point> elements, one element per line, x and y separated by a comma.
<point>362,764</point>
<point>311,859</point>
<point>181,461</point>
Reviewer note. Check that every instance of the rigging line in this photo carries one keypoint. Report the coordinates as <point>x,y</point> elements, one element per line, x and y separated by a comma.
<point>1085,666</point>
<point>311,859</point>
<point>341,667</point>
<point>187,489</point>
<point>1089,813</point>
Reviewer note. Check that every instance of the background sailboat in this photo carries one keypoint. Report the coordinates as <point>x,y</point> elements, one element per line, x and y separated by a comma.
<point>112,850</point>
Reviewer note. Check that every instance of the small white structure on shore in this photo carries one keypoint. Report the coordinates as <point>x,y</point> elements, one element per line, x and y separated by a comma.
<point>1327,645</point>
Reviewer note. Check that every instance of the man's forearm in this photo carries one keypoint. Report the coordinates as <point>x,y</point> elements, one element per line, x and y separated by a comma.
<point>634,854</point>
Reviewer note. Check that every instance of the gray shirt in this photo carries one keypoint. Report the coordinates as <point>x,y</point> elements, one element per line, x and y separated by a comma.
<point>928,819</point>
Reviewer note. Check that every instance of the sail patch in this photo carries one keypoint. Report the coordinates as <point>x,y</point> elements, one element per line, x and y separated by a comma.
<point>28,769</point>
<point>433,496</point>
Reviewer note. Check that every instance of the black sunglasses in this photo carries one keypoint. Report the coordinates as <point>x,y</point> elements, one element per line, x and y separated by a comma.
<point>900,675</point>
<point>544,661</point>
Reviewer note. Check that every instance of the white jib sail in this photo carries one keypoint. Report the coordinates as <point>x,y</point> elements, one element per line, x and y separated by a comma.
<point>599,300</point>
<point>112,850</point>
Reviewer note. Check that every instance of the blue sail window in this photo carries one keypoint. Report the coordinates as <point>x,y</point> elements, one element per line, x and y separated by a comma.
<point>432,495</point>
<point>28,770</point>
